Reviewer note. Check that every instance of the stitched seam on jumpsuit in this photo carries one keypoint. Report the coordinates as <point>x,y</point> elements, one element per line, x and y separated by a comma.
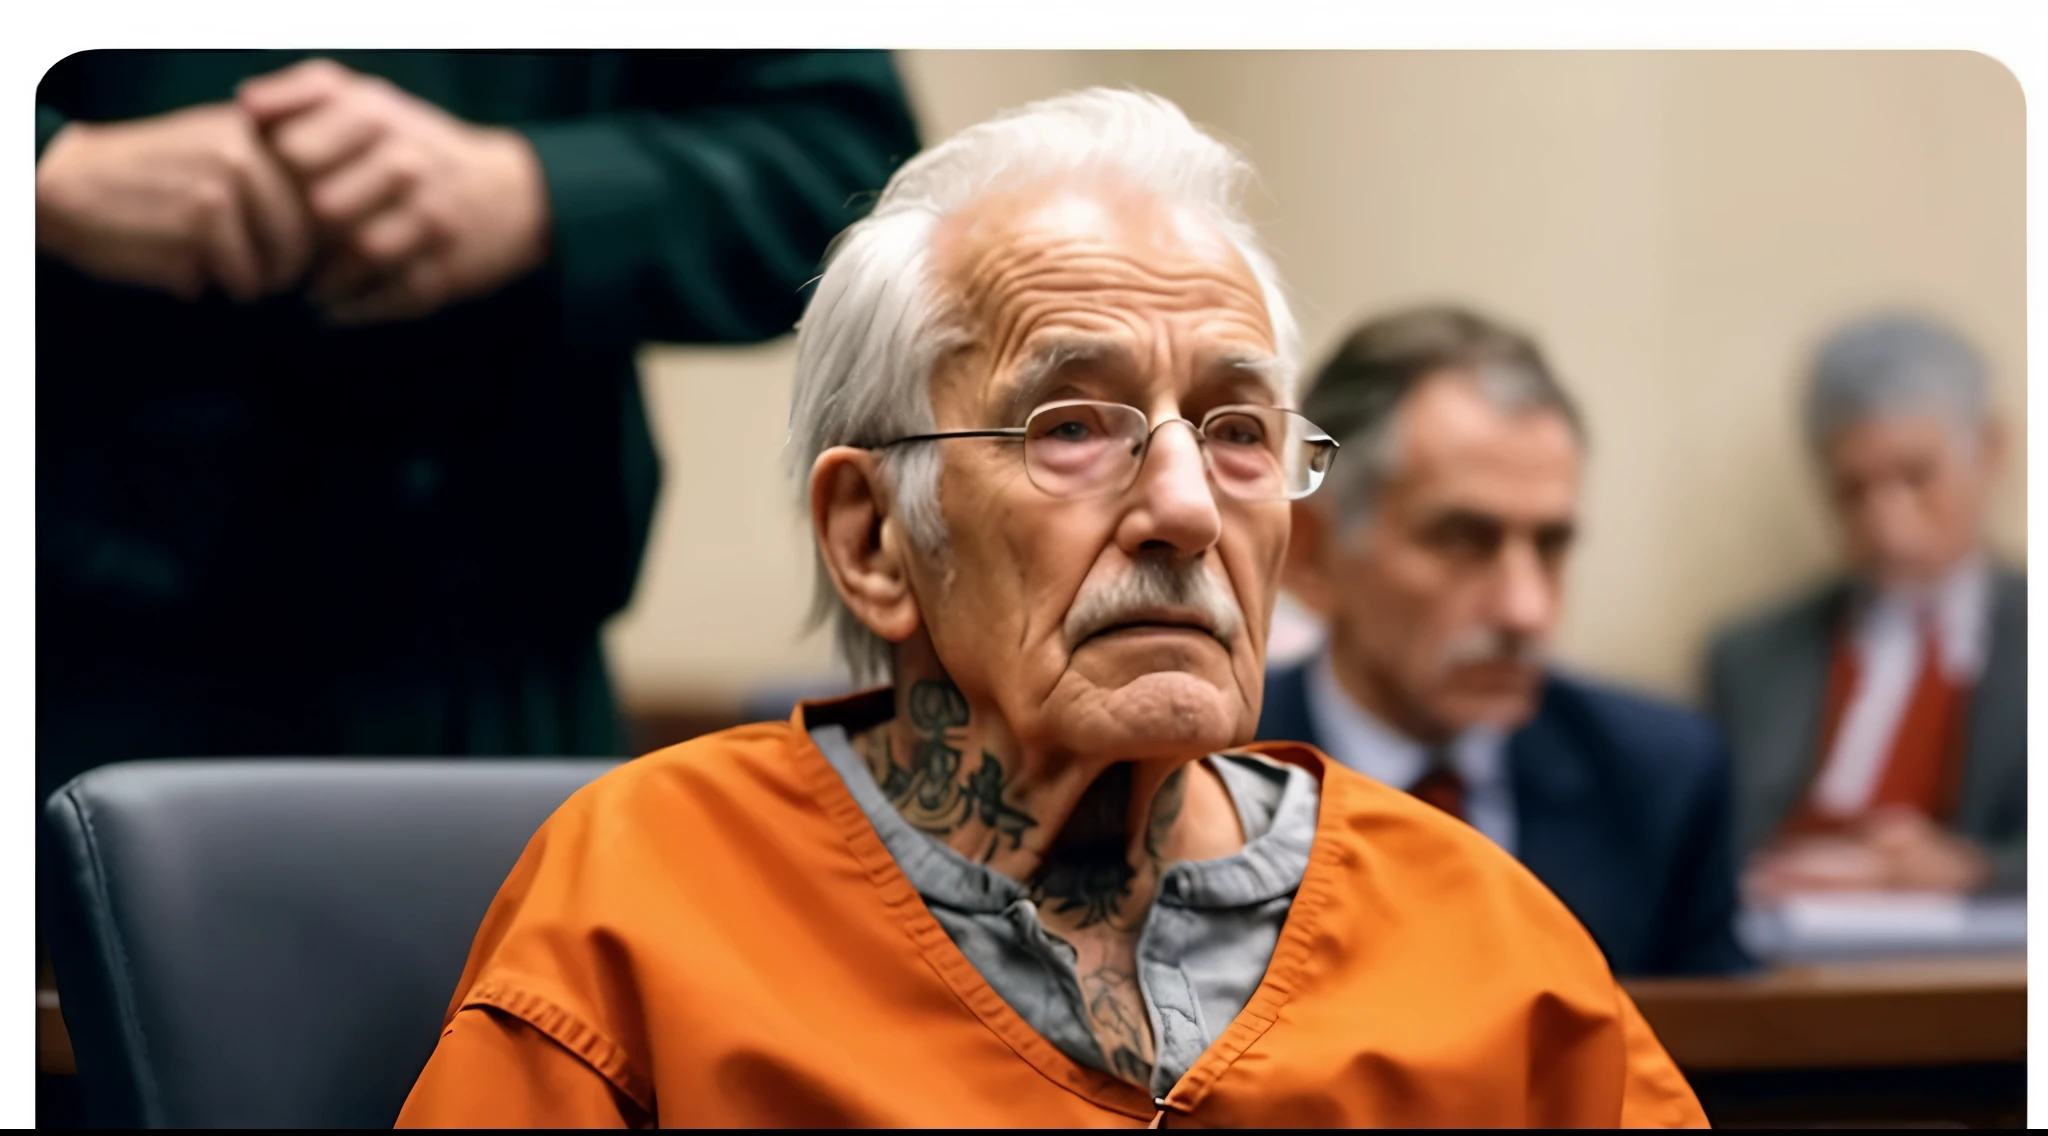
<point>582,1039</point>
<point>1292,955</point>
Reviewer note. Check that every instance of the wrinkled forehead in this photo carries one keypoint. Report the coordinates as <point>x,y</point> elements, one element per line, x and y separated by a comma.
<point>1904,434</point>
<point>1087,273</point>
<point>1458,447</point>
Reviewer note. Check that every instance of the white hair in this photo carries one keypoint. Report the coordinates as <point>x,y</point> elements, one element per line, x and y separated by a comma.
<point>878,323</point>
<point>1890,365</point>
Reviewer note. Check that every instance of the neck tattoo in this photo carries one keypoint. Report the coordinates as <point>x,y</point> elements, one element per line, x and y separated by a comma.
<point>927,785</point>
<point>1091,882</point>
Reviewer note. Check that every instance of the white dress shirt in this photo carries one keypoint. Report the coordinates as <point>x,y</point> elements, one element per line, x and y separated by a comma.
<point>1887,642</point>
<point>1358,740</point>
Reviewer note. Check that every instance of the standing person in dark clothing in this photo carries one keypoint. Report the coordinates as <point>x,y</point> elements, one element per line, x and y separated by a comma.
<point>340,443</point>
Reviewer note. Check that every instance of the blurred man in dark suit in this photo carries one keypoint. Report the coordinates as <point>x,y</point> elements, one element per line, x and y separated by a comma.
<point>1879,721</point>
<point>1438,564</point>
<point>340,443</point>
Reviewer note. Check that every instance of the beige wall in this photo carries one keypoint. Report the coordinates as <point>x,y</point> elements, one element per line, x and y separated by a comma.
<point>1677,228</point>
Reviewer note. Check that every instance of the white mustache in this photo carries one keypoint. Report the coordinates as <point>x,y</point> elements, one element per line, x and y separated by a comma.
<point>1491,645</point>
<point>1154,590</point>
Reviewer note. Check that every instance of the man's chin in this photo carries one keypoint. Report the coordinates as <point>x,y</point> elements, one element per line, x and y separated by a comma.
<point>1907,575</point>
<point>1154,712</point>
<point>1503,699</point>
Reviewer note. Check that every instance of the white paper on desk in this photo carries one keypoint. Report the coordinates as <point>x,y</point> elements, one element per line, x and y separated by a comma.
<point>1877,916</point>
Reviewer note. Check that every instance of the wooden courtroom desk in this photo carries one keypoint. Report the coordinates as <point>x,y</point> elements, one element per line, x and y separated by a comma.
<point>53,1044</point>
<point>1919,1041</point>
<point>57,1103</point>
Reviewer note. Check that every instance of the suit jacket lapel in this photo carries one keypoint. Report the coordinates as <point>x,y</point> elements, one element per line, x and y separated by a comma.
<point>1552,781</point>
<point>1794,685</point>
<point>1995,747</point>
<point>1549,780</point>
<point>1566,835</point>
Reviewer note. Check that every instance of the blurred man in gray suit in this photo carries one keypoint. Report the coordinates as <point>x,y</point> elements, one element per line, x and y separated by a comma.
<point>1879,723</point>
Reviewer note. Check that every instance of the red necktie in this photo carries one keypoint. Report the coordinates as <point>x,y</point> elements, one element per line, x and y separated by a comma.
<point>1441,786</point>
<point>1917,771</point>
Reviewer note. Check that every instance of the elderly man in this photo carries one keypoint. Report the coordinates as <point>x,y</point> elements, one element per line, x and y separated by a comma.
<point>1879,722</point>
<point>1438,563</point>
<point>1041,424</point>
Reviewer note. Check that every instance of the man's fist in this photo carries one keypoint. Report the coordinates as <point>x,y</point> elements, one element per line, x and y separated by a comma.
<point>416,208</point>
<point>177,202</point>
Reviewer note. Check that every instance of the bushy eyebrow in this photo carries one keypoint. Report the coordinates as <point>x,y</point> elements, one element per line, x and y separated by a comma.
<point>1049,360</point>
<point>1266,367</point>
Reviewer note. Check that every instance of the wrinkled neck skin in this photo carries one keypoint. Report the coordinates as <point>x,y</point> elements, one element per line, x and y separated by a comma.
<point>1090,839</point>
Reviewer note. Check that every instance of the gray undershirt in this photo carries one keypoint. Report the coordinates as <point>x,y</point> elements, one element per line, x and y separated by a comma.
<point>1205,942</point>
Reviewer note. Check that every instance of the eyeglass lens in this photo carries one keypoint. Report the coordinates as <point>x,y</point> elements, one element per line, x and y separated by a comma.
<point>1255,453</point>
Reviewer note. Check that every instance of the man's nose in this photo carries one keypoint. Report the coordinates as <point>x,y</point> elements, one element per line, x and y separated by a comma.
<point>1889,520</point>
<point>1525,592</point>
<point>1174,506</point>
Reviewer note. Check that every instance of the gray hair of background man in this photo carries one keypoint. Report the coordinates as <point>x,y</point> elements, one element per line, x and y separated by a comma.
<point>1358,394</point>
<point>1894,365</point>
<point>878,324</point>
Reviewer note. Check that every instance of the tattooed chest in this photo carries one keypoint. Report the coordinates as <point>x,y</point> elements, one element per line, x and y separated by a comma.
<point>1107,971</point>
<point>1083,901</point>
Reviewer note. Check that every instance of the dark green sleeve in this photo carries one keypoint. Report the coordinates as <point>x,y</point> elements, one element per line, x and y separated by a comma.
<point>49,120</point>
<point>698,208</point>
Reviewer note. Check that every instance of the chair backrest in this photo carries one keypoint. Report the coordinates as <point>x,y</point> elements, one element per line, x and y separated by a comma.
<point>272,943</point>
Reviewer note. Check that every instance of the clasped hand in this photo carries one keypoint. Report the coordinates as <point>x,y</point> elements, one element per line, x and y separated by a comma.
<point>379,205</point>
<point>1893,850</point>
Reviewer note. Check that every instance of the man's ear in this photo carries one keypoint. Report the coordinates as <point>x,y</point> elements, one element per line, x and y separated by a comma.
<point>1304,573</point>
<point>1994,453</point>
<point>860,544</point>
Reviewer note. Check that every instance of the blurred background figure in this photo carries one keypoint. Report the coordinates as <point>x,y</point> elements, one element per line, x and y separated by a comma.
<point>340,440</point>
<point>1437,556</point>
<point>1879,722</point>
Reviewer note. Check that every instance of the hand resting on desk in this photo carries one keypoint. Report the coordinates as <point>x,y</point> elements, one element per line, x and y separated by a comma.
<point>1897,850</point>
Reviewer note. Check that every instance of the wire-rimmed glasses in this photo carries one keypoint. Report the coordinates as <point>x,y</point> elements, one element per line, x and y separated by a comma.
<point>1083,448</point>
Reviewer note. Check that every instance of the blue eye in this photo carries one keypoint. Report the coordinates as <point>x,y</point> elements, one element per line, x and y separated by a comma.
<point>1071,430</point>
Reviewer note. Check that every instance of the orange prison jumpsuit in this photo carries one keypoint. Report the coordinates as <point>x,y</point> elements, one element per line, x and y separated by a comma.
<point>715,935</point>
